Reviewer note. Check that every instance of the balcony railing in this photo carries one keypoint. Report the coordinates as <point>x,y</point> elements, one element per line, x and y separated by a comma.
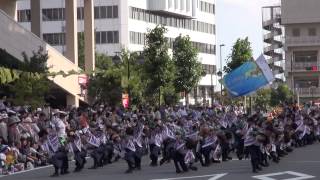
<point>302,41</point>
<point>297,67</point>
<point>309,92</point>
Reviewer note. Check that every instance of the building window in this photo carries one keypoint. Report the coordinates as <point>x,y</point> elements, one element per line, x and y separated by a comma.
<point>80,13</point>
<point>107,37</point>
<point>209,69</point>
<point>207,7</point>
<point>182,5</point>
<point>96,12</point>
<point>147,16</point>
<point>54,14</point>
<point>176,3</point>
<point>103,12</point>
<point>296,32</point>
<point>55,39</point>
<point>306,82</point>
<point>98,38</point>
<point>115,11</point>
<point>305,56</point>
<point>170,4</point>
<point>188,5</point>
<point>312,32</point>
<point>24,15</point>
<point>139,38</point>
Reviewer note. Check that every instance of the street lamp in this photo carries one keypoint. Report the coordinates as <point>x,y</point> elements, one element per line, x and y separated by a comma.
<point>117,60</point>
<point>220,73</point>
<point>212,87</point>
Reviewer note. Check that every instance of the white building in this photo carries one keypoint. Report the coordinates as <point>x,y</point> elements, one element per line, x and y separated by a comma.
<point>124,23</point>
<point>301,20</point>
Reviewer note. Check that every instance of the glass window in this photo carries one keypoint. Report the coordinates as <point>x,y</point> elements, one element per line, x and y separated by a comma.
<point>188,5</point>
<point>116,36</point>
<point>169,20</point>
<point>170,3</point>
<point>296,32</point>
<point>115,11</point>
<point>55,14</point>
<point>96,12</point>
<point>312,32</point>
<point>176,4</point>
<point>109,12</point>
<point>306,56</point>
<point>24,15</point>
<point>103,12</point>
<point>109,37</point>
<point>80,13</point>
<point>98,41</point>
<point>182,5</point>
<point>103,37</point>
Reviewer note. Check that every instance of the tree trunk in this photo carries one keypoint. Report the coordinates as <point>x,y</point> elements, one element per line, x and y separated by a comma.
<point>186,98</point>
<point>159,97</point>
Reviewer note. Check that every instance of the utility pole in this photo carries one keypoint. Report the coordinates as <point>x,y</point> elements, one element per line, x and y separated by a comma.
<point>221,45</point>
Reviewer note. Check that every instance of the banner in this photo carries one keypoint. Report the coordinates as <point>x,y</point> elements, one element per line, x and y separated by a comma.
<point>248,78</point>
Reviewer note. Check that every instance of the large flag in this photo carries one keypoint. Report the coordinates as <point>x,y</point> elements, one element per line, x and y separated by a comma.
<point>248,78</point>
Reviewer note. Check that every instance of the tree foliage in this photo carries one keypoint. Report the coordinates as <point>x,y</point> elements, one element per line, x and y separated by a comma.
<point>263,98</point>
<point>132,82</point>
<point>29,84</point>
<point>188,69</point>
<point>105,87</point>
<point>30,89</point>
<point>280,95</point>
<point>241,52</point>
<point>158,66</point>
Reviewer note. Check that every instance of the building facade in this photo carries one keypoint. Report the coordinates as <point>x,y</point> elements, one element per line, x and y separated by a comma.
<point>272,38</point>
<point>123,24</point>
<point>301,20</point>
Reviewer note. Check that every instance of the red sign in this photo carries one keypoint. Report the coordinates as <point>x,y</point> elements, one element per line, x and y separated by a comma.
<point>83,80</point>
<point>314,68</point>
<point>125,100</point>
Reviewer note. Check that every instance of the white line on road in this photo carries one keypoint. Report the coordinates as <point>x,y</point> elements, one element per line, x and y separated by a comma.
<point>299,176</point>
<point>213,177</point>
<point>304,161</point>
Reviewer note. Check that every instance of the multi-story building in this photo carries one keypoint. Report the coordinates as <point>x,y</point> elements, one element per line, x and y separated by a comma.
<point>123,24</point>
<point>272,38</point>
<point>301,20</point>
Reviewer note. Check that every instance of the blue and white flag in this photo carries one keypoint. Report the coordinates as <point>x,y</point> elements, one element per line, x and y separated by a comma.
<point>248,78</point>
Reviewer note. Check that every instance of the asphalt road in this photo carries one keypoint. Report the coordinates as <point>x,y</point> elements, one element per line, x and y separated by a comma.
<point>301,164</point>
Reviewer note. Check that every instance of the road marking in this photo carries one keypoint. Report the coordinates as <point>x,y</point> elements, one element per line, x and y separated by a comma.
<point>304,161</point>
<point>24,171</point>
<point>299,176</point>
<point>34,169</point>
<point>213,177</point>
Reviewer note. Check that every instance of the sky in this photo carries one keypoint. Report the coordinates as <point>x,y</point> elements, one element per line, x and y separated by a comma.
<point>239,19</point>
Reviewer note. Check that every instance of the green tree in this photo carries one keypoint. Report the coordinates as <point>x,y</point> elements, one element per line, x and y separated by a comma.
<point>132,76</point>
<point>105,86</point>
<point>29,89</point>
<point>32,85</point>
<point>263,98</point>
<point>37,63</point>
<point>280,95</point>
<point>188,69</point>
<point>170,95</point>
<point>241,52</point>
<point>158,66</point>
